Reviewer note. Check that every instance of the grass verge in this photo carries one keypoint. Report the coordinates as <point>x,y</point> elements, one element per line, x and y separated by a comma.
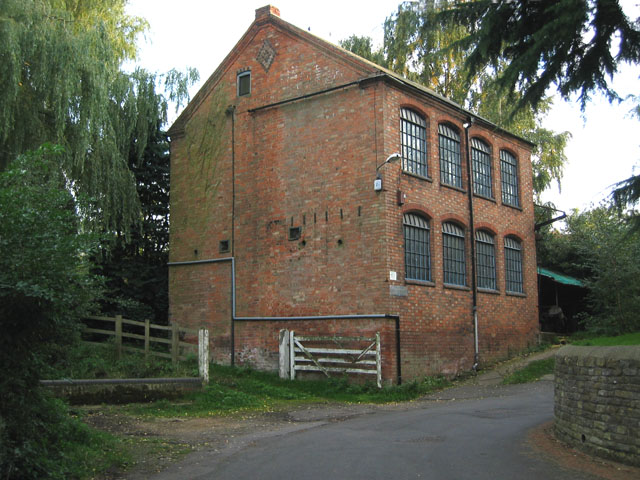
<point>532,372</point>
<point>233,390</point>
<point>627,339</point>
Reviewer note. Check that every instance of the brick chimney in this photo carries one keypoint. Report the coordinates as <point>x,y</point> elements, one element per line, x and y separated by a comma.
<point>264,12</point>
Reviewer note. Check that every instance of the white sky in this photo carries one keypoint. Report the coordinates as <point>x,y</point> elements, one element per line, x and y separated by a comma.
<point>199,33</point>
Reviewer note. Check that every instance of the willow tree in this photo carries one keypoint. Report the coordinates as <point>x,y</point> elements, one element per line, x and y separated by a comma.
<point>63,84</point>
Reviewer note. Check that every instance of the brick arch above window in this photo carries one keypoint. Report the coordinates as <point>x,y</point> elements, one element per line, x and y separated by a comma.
<point>418,209</point>
<point>453,218</point>
<point>486,226</point>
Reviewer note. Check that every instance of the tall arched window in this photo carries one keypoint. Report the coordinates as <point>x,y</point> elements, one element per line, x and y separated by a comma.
<point>413,131</point>
<point>455,270</point>
<point>417,248</point>
<point>450,163</point>
<point>485,260</point>
<point>509,174</point>
<point>481,161</point>
<point>513,265</point>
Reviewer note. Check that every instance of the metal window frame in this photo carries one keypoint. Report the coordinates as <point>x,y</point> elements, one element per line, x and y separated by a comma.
<point>417,247</point>
<point>450,156</point>
<point>514,282</point>
<point>482,168</point>
<point>485,260</point>
<point>454,255</point>
<point>413,139</point>
<point>509,177</point>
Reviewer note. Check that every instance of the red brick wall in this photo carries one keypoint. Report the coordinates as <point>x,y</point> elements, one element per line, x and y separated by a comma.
<point>311,164</point>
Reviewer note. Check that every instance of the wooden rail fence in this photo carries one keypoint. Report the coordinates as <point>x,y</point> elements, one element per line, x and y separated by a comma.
<point>141,332</point>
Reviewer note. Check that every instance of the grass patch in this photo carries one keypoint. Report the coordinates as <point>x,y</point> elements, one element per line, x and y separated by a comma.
<point>96,361</point>
<point>627,339</point>
<point>234,390</point>
<point>532,372</point>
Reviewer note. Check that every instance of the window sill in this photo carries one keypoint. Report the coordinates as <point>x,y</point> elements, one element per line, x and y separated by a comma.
<point>453,187</point>
<point>424,283</point>
<point>488,199</point>
<point>516,294</point>
<point>456,287</point>
<point>415,175</point>
<point>489,291</point>
<point>515,207</point>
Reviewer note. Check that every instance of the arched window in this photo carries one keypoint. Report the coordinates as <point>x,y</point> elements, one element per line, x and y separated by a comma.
<point>509,174</point>
<point>413,131</point>
<point>481,161</point>
<point>455,271</point>
<point>485,260</point>
<point>417,248</point>
<point>450,163</point>
<point>513,265</point>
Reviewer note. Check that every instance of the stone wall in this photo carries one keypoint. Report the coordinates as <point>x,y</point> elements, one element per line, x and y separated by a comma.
<point>597,400</point>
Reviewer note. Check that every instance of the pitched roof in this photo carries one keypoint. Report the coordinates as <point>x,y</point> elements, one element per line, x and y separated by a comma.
<point>370,70</point>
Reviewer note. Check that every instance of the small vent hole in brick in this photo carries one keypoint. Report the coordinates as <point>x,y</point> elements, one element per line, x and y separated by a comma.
<point>223,247</point>
<point>294,233</point>
<point>303,243</point>
<point>340,242</point>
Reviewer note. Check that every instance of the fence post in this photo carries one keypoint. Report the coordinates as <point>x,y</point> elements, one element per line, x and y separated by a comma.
<point>378,361</point>
<point>203,354</point>
<point>118,336</point>
<point>147,334</point>
<point>175,343</point>
<point>292,355</point>
<point>283,357</point>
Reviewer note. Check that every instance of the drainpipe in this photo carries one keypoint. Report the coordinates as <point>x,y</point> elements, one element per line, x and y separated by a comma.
<point>231,111</point>
<point>474,286</point>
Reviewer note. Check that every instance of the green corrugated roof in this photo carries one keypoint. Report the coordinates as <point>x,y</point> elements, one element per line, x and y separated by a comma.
<point>560,278</point>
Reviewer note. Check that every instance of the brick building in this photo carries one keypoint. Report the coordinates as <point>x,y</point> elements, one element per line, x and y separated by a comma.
<point>278,220</point>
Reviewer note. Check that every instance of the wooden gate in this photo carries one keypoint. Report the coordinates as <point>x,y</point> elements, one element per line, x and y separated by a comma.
<point>300,353</point>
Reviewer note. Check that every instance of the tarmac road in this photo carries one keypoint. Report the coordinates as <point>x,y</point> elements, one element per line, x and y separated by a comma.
<point>470,432</point>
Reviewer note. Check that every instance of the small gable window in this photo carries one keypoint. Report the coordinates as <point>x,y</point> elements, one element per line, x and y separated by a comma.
<point>244,84</point>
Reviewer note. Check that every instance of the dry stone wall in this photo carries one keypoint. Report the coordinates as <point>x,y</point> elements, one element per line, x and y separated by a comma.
<point>597,400</point>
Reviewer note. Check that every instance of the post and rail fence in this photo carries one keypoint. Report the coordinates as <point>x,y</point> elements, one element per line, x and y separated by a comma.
<point>141,332</point>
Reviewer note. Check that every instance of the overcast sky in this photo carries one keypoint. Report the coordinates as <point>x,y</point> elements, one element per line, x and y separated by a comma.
<point>199,33</point>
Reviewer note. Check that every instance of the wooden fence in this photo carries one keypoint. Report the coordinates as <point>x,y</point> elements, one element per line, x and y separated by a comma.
<point>319,354</point>
<point>141,339</point>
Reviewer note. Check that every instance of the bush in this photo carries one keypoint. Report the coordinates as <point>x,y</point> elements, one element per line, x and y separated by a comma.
<point>45,287</point>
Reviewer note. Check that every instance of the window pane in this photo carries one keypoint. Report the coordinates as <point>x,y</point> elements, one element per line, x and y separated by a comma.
<point>509,173</point>
<point>513,265</point>
<point>453,255</point>
<point>416,248</point>
<point>413,136</point>
<point>485,261</point>
<point>450,162</point>
<point>481,161</point>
